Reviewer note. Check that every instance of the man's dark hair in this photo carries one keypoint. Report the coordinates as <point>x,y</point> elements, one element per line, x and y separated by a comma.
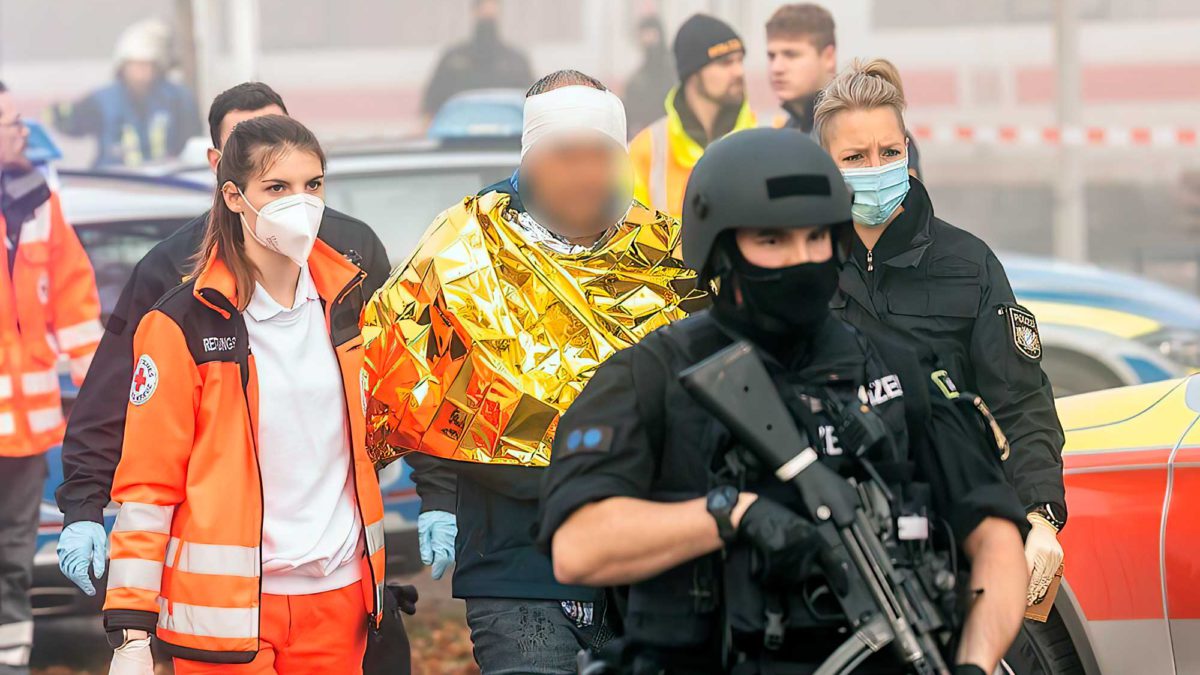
<point>564,78</point>
<point>244,96</point>
<point>806,20</point>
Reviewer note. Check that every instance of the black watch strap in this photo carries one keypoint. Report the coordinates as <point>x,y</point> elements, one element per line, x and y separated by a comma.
<point>720,503</point>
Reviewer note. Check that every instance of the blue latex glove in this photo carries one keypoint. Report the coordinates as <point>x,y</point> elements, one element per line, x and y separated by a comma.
<point>80,544</point>
<point>436,532</point>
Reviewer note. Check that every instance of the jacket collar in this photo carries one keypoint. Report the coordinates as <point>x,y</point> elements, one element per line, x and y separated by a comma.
<point>905,241</point>
<point>801,112</point>
<point>331,274</point>
<point>686,150</point>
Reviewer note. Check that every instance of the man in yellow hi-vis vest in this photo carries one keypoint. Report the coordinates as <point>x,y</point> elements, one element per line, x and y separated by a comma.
<point>708,103</point>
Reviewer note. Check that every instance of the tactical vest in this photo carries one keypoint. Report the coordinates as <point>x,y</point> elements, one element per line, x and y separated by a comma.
<point>681,615</point>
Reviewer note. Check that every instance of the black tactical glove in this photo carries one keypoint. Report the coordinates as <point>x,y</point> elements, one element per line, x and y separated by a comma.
<point>968,669</point>
<point>789,546</point>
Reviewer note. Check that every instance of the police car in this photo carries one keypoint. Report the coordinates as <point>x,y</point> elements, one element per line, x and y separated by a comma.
<point>1103,329</point>
<point>1130,597</point>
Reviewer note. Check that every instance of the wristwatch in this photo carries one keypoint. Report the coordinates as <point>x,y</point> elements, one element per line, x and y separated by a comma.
<point>720,503</point>
<point>1050,513</point>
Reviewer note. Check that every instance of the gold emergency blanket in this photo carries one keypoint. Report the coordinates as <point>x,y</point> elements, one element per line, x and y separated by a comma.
<point>478,343</point>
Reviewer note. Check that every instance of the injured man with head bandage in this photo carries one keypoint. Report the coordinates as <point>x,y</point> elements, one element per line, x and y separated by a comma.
<point>485,336</point>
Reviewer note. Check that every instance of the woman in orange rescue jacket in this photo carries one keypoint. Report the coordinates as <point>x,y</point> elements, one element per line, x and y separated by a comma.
<point>250,536</point>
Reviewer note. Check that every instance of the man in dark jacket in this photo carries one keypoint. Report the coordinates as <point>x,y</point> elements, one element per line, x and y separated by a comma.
<point>483,61</point>
<point>648,86</point>
<point>802,58</point>
<point>92,445</point>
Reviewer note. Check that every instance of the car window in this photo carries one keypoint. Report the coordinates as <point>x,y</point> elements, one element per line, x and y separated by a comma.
<point>114,248</point>
<point>400,206</point>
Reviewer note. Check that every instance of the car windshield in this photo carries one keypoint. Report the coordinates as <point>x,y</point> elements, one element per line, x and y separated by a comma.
<point>400,207</point>
<point>115,247</point>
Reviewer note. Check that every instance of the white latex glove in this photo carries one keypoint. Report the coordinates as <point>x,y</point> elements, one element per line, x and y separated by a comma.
<point>133,657</point>
<point>1043,556</point>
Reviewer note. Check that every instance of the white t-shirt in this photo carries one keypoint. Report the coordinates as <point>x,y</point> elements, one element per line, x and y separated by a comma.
<point>311,527</point>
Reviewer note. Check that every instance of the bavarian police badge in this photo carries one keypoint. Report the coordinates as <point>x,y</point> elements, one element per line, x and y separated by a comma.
<point>1024,331</point>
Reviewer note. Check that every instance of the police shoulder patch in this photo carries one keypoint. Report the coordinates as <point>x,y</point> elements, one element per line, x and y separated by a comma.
<point>145,380</point>
<point>1024,332</point>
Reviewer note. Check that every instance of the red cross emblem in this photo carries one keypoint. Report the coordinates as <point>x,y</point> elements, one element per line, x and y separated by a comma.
<point>145,380</point>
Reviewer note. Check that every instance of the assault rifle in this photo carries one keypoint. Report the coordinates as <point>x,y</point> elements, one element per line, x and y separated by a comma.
<point>885,604</point>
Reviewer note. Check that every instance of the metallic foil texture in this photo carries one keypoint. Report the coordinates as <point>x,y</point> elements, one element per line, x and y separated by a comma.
<point>477,344</point>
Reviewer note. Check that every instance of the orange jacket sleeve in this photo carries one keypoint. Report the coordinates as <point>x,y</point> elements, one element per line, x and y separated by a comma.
<point>74,302</point>
<point>151,477</point>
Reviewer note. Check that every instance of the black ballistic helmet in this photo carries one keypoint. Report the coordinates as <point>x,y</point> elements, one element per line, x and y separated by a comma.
<point>762,178</point>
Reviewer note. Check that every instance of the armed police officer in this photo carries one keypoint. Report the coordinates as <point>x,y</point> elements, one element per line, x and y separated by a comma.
<point>649,489</point>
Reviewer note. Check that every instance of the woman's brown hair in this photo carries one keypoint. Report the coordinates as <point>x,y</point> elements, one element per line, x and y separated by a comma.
<point>252,148</point>
<point>862,86</point>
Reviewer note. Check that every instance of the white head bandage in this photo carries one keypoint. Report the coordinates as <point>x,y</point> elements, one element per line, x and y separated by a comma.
<point>571,110</point>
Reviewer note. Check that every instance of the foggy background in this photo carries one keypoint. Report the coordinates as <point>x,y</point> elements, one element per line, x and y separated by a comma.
<point>356,69</point>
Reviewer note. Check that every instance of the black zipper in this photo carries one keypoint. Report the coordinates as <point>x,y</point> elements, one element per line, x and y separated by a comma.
<point>358,279</point>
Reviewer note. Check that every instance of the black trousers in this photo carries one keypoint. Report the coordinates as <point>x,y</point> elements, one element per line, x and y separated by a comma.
<point>21,481</point>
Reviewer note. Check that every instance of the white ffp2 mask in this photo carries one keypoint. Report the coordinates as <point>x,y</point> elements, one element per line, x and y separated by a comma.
<point>287,225</point>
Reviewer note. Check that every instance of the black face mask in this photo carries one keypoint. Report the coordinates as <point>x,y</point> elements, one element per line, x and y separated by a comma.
<point>778,305</point>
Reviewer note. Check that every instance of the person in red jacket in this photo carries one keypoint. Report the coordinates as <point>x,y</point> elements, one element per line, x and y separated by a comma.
<point>250,537</point>
<point>49,309</point>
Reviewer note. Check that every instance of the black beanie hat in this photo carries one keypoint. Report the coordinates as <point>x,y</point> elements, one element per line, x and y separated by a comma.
<point>701,40</point>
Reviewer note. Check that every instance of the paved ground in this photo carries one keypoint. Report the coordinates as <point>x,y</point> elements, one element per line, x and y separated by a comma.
<point>440,641</point>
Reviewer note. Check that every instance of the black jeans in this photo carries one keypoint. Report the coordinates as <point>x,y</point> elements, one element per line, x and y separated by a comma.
<point>532,637</point>
<point>21,481</point>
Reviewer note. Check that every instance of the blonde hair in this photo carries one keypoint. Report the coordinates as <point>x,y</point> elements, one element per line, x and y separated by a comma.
<point>862,86</point>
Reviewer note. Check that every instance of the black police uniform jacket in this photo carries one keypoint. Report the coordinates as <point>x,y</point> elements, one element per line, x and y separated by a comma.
<point>946,289</point>
<point>637,433</point>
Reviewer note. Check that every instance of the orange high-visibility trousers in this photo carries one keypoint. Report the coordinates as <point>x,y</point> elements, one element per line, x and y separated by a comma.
<point>302,635</point>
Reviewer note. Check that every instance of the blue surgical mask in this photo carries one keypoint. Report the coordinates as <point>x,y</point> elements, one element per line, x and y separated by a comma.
<point>878,191</point>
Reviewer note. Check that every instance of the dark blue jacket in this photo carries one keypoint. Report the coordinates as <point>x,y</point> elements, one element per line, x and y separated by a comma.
<point>130,131</point>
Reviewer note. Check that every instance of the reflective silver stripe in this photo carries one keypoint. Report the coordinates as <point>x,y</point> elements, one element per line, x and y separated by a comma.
<point>233,561</point>
<point>135,573</point>
<point>216,622</point>
<point>45,419</point>
<point>659,149</point>
<point>8,424</point>
<point>137,517</point>
<point>41,382</point>
<point>79,335</point>
<point>37,229</point>
<point>375,537</point>
<point>18,634</point>
<point>15,656</point>
<point>6,386</point>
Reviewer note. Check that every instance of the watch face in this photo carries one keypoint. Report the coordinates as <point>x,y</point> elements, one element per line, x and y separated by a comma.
<point>722,498</point>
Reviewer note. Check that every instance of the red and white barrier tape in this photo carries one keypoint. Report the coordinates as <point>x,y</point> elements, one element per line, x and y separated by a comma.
<point>1160,137</point>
